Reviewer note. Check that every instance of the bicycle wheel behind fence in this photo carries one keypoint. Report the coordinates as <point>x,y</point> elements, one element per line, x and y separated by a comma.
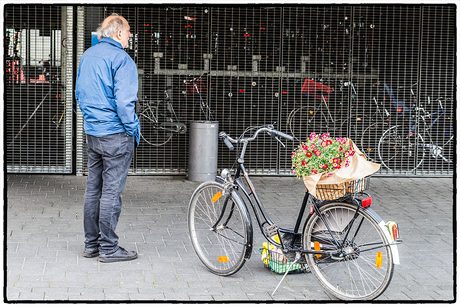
<point>360,264</point>
<point>220,230</point>
<point>399,150</point>
<point>305,120</point>
<point>369,140</point>
<point>155,124</point>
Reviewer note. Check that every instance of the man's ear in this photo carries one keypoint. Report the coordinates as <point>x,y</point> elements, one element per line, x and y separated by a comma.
<point>119,34</point>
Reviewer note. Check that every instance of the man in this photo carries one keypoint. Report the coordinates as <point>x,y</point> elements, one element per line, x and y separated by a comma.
<point>106,91</point>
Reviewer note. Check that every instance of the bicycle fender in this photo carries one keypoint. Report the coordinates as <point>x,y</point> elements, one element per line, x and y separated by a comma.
<point>246,216</point>
<point>381,223</point>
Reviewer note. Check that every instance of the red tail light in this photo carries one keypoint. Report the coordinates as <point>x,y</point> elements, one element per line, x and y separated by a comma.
<point>366,202</point>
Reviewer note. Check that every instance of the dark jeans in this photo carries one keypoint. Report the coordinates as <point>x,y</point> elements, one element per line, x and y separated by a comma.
<point>109,158</point>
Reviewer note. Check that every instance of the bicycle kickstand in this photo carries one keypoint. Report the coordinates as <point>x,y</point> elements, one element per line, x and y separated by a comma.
<point>297,258</point>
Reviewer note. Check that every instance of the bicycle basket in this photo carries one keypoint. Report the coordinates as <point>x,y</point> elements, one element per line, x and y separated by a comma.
<point>277,262</point>
<point>335,191</point>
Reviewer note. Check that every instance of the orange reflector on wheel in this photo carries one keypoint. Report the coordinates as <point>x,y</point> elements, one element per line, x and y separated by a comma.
<point>378,260</point>
<point>317,248</point>
<point>216,196</point>
<point>223,259</point>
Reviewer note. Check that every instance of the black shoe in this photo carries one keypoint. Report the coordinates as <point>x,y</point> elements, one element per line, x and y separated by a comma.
<point>120,255</point>
<point>90,253</point>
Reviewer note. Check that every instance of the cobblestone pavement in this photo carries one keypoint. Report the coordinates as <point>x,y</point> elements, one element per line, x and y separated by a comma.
<point>44,237</point>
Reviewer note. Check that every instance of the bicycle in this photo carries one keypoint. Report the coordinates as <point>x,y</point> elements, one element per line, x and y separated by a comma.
<point>402,146</point>
<point>194,88</point>
<point>344,243</point>
<point>319,117</point>
<point>380,121</point>
<point>310,116</point>
<point>159,121</point>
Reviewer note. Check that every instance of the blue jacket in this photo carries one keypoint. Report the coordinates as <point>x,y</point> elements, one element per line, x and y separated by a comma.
<point>106,90</point>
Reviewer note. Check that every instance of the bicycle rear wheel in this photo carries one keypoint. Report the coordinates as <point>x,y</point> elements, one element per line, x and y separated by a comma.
<point>400,151</point>
<point>220,229</point>
<point>360,263</point>
<point>152,131</point>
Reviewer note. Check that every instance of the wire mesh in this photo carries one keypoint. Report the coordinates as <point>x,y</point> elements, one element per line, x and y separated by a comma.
<point>38,112</point>
<point>348,70</point>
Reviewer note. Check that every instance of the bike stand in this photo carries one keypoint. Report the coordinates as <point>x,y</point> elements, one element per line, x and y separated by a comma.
<point>297,258</point>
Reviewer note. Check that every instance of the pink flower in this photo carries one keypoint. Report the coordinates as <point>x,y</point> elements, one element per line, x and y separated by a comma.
<point>325,136</point>
<point>304,163</point>
<point>313,136</point>
<point>324,143</point>
<point>316,152</point>
<point>313,171</point>
<point>305,147</point>
<point>325,166</point>
<point>346,154</point>
<point>308,154</point>
<point>293,155</point>
<point>340,148</point>
<point>329,142</point>
<point>313,145</point>
<point>341,140</point>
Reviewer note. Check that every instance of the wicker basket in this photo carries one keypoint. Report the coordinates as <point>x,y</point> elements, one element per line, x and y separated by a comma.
<point>335,191</point>
<point>278,263</point>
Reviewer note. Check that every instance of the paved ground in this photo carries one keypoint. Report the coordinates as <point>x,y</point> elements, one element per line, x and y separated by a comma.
<point>44,237</point>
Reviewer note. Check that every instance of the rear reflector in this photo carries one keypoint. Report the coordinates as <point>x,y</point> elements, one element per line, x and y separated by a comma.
<point>366,202</point>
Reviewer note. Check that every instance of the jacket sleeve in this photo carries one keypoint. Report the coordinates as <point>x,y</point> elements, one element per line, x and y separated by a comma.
<point>125,91</point>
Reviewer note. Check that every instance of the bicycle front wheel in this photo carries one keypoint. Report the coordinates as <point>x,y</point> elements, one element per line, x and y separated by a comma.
<point>305,120</point>
<point>358,264</point>
<point>398,150</point>
<point>370,140</point>
<point>220,229</point>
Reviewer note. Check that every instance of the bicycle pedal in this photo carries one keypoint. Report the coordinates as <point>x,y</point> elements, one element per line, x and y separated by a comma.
<point>271,230</point>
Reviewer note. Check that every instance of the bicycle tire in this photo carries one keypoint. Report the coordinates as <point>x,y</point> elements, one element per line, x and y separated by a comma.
<point>304,120</point>
<point>360,273</point>
<point>151,131</point>
<point>225,249</point>
<point>399,151</point>
<point>370,138</point>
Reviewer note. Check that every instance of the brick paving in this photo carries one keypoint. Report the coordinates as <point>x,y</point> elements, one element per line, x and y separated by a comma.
<point>44,238</point>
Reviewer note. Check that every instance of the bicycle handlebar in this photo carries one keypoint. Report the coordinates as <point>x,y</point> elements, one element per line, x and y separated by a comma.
<point>193,80</point>
<point>228,140</point>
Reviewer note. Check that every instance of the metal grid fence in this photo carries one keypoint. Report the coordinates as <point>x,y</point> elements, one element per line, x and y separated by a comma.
<point>347,70</point>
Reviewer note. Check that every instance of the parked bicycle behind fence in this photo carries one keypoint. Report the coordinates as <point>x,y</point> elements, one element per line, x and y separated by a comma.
<point>404,146</point>
<point>159,120</point>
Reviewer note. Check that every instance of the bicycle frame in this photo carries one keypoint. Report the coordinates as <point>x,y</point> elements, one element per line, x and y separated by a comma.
<point>268,228</point>
<point>203,105</point>
<point>427,126</point>
<point>152,114</point>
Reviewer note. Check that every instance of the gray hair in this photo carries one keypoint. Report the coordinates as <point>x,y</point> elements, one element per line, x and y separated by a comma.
<point>111,28</point>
